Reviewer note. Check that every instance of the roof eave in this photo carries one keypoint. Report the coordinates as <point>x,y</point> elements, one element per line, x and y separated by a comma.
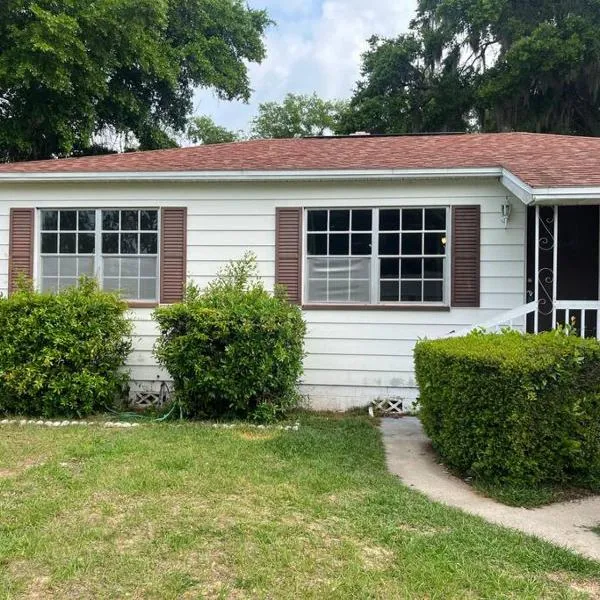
<point>244,176</point>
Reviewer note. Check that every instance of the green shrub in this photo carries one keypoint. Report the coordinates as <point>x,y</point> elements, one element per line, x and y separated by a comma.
<point>233,349</point>
<point>512,408</point>
<point>62,354</point>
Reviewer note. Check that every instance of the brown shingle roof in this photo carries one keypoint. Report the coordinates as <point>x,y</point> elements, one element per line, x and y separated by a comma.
<point>537,159</point>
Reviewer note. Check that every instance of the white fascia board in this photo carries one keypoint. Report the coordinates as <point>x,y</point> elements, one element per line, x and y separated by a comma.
<point>571,194</point>
<point>517,187</point>
<point>243,176</point>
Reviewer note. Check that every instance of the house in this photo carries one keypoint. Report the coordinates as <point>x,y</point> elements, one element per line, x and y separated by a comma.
<point>382,240</point>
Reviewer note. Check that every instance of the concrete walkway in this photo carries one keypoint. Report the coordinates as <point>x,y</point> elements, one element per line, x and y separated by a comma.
<point>409,455</point>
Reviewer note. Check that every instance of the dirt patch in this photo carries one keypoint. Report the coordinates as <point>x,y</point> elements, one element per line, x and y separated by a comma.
<point>21,467</point>
<point>591,587</point>
<point>376,558</point>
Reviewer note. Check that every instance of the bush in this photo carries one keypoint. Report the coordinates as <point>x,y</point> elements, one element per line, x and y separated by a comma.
<point>62,354</point>
<point>514,409</point>
<point>233,349</point>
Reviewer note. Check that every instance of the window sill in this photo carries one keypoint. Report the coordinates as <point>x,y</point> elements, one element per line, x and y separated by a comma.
<point>395,307</point>
<point>141,304</point>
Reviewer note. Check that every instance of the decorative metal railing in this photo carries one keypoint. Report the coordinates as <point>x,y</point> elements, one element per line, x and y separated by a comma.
<point>578,317</point>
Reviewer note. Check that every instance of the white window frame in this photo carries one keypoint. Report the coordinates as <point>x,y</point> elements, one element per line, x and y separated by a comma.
<point>98,255</point>
<point>375,259</point>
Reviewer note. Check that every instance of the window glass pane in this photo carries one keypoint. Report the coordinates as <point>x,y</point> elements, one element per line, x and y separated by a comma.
<point>434,268</point>
<point>86,265</point>
<point>339,220</point>
<point>86,243</point>
<point>389,291</point>
<point>317,290</point>
<point>110,243</point>
<point>389,220</point>
<point>317,244</point>
<point>360,268</point>
<point>67,282</point>
<point>434,243</point>
<point>148,243</point>
<point>148,289</point>
<point>433,291</point>
<point>67,243</point>
<point>129,243</point>
<point>129,267</point>
<point>68,220</point>
<point>87,220</point>
<point>362,220</point>
<point>360,291</point>
<point>339,290</point>
<point>390,268</point>
<point>412,291</point>
<point>111,284</point>
<point>49,284</point>
<point>49,266</point>
<point>435,218</point>
<point>148,267</point>
<point>412,218</point>
<point>49,243</point>
<point>317,268</point>
<point>317,220</point>
<point>389,243</point>
<point>111,267</point>
<point>339,244</point>
<point>338,268</point>
<point>67,267</point>
<point>130,220</point>
<point>49,220</point>
<point>110,220</point>
<point>129,288</point>
<point>411,243</point>
<point>149,220</point>
<point>412,268</point>
<point>361,244</point>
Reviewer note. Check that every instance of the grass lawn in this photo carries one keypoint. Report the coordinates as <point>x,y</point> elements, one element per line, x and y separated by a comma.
<point>171,511</point>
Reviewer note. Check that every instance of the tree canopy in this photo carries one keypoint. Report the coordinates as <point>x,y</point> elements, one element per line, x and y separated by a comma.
<point>203,130</point>
<point>488,65</point>
<point>73,68</point>
<point>297,115</point>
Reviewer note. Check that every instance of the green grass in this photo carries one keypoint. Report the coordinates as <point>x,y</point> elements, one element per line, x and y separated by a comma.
<point>171,511</point>
<point>532,496</point>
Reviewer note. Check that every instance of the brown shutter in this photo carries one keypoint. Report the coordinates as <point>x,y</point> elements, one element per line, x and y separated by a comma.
<point>20,245</point>
<point>466,255</point>
<point>173,252</point>
<point>288,251</point>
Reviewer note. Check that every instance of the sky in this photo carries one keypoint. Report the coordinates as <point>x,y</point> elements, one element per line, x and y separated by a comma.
<point>315,47</point>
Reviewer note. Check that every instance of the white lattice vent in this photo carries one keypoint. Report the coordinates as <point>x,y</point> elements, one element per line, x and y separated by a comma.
<point>388,406</point>
<point>150,398</point>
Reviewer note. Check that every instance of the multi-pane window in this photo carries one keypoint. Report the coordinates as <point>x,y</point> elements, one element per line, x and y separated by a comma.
<point>120,247</point>
<point>339,255</point>
<point>391,255</point>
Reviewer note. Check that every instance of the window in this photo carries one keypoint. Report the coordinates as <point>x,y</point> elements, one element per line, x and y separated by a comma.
<point>387,255</point>
<point>120,247</point>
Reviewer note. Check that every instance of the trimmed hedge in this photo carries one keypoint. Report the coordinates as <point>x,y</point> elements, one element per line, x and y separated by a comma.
<point>233,349</point>
<point>62,354</point>
<point>513,408</point>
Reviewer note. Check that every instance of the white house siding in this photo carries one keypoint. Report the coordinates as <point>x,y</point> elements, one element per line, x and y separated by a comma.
<point>353,355</point>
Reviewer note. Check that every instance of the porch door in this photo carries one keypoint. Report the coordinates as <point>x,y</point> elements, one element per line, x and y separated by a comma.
<point>563,258</point>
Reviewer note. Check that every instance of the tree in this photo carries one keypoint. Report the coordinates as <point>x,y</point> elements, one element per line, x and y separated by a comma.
<point>203,130</point>
<point>489,65</point>
<point>296,116</point>
<point>73,68</point>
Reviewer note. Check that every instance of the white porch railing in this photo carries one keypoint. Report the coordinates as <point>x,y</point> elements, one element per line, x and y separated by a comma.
<point>582,315</point>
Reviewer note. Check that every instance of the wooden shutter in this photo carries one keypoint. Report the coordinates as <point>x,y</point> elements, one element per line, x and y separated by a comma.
<point>173,252</point>
<point>288,251</point>
<point>466,255</point>
<point>20,245</point>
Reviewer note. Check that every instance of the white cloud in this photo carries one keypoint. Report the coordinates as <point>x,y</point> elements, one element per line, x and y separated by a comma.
<point>315,47</point>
